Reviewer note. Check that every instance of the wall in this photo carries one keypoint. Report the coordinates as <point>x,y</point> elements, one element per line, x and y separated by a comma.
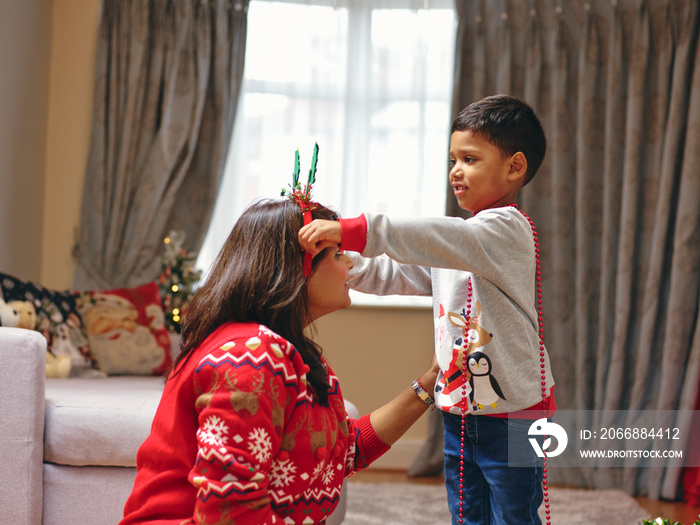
<point>73,49</point>
<point>375,352</point>
<point>25,39</point>
<point>47,52</point>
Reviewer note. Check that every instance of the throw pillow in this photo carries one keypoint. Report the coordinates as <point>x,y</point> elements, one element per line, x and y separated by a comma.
<point>56,318</point>
<point>126,329</point>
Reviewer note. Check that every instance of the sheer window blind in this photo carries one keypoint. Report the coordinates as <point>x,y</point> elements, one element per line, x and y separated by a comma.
<point>371,82</point>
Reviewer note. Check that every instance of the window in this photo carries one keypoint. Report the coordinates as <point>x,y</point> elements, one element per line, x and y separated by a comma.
<point>370,81</point>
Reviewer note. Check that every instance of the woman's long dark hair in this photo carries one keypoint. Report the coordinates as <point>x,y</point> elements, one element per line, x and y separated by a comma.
<point>258,277</point>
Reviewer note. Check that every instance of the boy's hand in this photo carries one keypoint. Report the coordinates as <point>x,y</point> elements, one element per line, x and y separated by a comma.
<point>318,235</point>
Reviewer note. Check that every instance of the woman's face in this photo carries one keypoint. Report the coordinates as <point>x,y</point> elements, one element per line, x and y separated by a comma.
<point>327,287</point>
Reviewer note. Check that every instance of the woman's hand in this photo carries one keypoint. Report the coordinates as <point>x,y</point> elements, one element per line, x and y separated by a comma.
<point>318,235</point>
<point>428,378</point>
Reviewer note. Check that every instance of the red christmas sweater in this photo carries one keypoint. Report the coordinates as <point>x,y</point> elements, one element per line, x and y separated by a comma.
<point>238,438</point>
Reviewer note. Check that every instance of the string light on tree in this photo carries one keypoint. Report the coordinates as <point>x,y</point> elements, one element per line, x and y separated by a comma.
<point>178,279</point>
<point>666,521</point>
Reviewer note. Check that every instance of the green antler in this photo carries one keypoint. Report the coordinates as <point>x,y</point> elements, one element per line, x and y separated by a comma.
<point>314,161</point>
<point>297,191</point>
<point>297,169</point>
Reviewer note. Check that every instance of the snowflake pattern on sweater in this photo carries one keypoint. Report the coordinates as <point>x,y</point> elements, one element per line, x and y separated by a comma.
<point>240,439</point>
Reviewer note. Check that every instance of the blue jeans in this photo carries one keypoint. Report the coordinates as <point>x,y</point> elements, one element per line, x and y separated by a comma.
<point>495,491</point>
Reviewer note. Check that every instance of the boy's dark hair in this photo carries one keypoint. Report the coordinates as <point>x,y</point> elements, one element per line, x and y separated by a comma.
<point>509,124</point>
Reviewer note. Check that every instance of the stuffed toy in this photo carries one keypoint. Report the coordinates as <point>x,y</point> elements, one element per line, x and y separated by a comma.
<point>8,315</point>
<point>22,314</point>
<point>27,314</point>
<point>57,366</point>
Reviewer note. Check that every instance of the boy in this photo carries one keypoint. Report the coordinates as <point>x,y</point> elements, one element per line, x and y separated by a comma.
<point>481,273</point>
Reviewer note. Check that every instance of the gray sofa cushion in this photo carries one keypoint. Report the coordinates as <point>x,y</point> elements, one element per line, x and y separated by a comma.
<point>85,495</point>
<point>100,421</point>
<point>23,354</point>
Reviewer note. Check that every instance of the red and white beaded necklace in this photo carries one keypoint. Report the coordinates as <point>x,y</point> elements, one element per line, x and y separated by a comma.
<point>540,322</point>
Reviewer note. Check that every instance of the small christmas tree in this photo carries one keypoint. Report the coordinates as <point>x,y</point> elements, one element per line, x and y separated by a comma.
<point>178,279</point>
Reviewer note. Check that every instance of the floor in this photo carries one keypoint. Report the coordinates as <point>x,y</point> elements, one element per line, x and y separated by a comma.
<point>675,511</point>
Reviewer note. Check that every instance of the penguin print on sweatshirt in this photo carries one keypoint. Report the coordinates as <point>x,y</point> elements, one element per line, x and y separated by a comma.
<point>485,390</point>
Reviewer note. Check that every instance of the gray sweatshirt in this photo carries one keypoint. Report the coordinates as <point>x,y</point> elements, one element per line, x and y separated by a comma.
<point>497,327</point>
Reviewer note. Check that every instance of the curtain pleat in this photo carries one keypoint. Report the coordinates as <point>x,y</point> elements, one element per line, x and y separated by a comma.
<point>167,79</point>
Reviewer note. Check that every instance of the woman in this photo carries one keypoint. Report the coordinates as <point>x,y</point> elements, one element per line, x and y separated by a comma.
<point>252,428</point>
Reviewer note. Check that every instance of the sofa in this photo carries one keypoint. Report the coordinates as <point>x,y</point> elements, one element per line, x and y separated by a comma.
<point>68,446</point>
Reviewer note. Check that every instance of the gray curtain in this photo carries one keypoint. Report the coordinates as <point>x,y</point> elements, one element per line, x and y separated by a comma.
<point>617,201</point>
<point>167,80</point>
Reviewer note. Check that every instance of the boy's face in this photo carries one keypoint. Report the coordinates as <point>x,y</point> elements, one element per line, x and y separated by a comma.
<point>479,174</point>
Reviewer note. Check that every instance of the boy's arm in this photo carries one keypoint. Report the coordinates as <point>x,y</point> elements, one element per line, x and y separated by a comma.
<point>383,276</point>
<point>484,244</point>
<point>378,276</point>
<point>350,234</point>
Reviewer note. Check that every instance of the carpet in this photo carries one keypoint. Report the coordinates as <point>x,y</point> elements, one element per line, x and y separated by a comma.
<point>414,504</point>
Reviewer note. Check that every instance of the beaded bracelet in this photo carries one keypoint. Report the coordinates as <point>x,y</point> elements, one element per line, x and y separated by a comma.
<point>422,393</point>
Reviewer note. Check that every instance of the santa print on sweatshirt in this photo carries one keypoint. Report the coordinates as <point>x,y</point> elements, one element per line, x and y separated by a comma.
<point>240,438</point>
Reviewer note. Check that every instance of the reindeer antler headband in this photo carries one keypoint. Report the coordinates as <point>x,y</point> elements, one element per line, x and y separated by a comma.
<point>302,196</point>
